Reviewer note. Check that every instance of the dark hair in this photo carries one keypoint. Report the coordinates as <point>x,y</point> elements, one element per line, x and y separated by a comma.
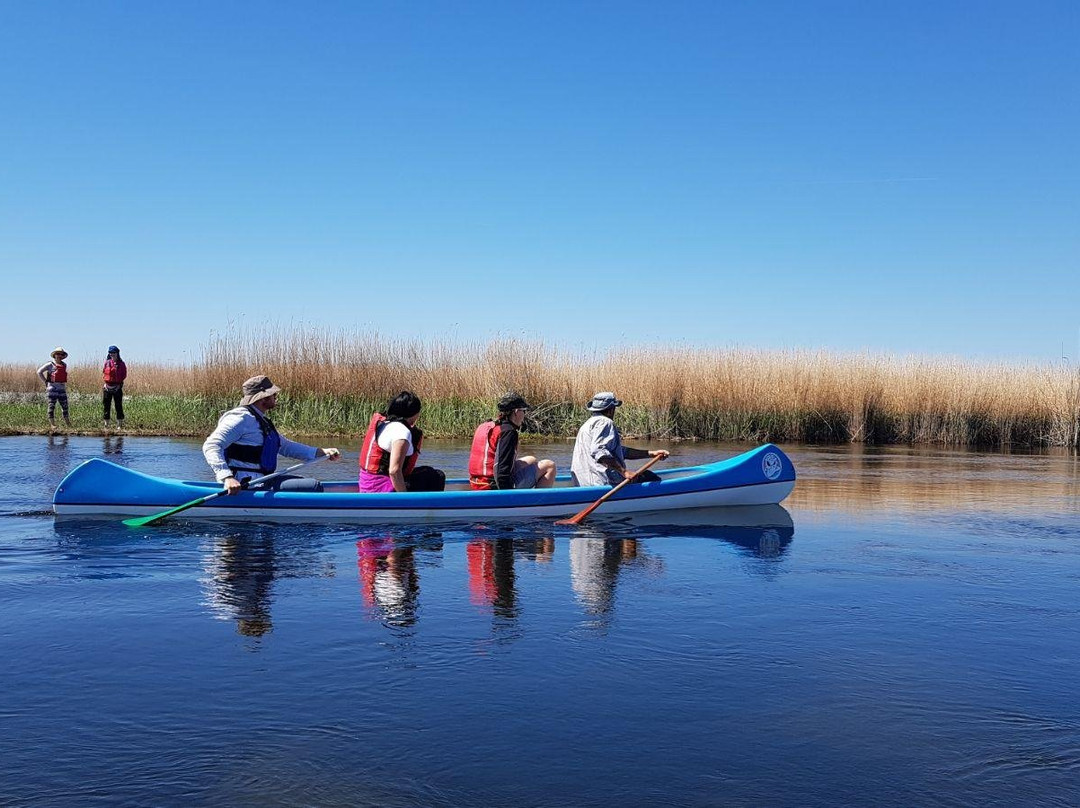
<point>404,405</point>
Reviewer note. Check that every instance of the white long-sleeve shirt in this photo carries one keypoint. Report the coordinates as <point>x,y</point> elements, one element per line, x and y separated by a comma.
<point>598,438</point>
<point>240,426</point>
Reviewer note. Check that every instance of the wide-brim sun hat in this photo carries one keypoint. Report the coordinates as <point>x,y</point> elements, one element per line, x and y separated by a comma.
<point>58,350</point>
<point>257,388</point>
<point>603,401</point>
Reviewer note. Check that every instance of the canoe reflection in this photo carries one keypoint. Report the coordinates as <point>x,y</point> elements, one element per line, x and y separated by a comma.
<point>763,531</point>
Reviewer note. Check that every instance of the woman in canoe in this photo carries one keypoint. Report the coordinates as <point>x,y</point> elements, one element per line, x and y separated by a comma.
<point>391,448</point>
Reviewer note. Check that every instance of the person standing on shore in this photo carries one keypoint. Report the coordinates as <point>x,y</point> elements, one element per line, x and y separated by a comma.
<point>55,375</point>
<point>391,448</point>
<point>493,461</point>
<point>246,443</point>
<point>113,374</point>
<point>599,455</point>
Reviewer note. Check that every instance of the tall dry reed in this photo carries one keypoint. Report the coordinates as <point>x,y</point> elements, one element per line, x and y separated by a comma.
<point>334,380</point>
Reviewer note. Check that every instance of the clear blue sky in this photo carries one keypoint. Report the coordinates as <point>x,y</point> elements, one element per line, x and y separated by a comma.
<point>900,177</point>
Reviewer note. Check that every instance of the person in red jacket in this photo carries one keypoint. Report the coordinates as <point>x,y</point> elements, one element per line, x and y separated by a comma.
<point>493,460</point>
<point>113,374</point>
<point>55,375</point>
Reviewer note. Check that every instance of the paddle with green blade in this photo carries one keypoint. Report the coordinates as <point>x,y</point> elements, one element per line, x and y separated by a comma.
<point>141,521</point>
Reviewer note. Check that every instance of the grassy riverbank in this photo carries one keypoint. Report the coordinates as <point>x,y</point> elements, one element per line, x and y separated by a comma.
<point>333,382</point>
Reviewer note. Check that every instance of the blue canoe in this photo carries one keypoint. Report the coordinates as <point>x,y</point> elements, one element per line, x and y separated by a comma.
<point>762,476</point>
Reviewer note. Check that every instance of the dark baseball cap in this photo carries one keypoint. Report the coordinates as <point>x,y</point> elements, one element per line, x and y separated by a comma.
<point>511,402</point>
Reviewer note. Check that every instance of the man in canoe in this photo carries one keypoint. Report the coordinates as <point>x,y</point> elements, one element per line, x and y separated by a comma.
<point>246,443</point>
<point>599,455</point>
<point>493,461</point>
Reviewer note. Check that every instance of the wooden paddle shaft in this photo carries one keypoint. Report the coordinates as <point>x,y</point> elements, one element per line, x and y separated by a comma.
<point>576,519</point>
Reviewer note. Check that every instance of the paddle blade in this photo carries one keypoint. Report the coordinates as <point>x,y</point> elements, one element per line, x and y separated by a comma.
<point>574,520</point>
<point>141,521</point>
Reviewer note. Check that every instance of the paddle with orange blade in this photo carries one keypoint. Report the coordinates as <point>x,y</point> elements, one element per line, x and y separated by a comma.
<point>577,518</point>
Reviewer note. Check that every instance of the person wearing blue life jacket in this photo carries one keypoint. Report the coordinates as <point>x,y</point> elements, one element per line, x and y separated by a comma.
<point>246,443</point>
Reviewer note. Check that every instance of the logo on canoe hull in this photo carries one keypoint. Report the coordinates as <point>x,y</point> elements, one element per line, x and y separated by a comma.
<point>771,465</point>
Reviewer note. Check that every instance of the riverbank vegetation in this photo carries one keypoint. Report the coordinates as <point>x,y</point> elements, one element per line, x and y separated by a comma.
<point>333,382</point>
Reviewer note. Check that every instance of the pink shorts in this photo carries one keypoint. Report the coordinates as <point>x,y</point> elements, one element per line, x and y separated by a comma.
<point>375,483</point>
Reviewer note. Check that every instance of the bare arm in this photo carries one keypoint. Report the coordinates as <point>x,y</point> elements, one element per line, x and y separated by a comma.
<point>630,454</point>
<point>397,460</point>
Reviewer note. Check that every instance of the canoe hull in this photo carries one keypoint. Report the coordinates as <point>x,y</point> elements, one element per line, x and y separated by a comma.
<point>763,476</point>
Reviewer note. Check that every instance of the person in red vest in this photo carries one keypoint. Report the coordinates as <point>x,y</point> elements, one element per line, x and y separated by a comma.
<point>113,374</point>
<point>391,448</point>
<point>493,461</point>
<point>55,375</point>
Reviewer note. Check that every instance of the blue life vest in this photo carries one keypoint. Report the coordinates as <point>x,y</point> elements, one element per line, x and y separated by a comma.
<point>266,454</point>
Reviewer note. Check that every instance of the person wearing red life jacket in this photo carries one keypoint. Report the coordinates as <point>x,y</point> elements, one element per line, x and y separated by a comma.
<point>55,375</point>
<point>391,448</point>
<point>493,460</point>
<point>113,373</point>
<point>246,444</point>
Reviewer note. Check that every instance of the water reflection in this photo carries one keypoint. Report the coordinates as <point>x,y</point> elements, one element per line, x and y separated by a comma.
<point>388,570</point>
<point>762,531</point>
<point>57,457</point>
<point>595,564</point>
<point>491,575</point>
<point>862,479</point>
<point>112,444</point>
<point>490,564</point>
<point>389,582</point>
<point>240,570</point>
<point>241,566</point>
<point>597,555</point>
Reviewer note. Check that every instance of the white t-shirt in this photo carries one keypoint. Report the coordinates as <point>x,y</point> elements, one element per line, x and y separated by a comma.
<point>395,431</point>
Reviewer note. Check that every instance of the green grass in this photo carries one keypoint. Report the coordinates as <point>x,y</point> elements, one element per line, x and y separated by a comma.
<point>195,416</point>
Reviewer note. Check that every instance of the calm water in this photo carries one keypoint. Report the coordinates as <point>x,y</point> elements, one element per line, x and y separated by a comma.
<point>906,632</point>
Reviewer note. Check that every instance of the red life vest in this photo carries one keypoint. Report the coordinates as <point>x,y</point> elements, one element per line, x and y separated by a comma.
<point>59,373</point>
<point>374,459</point>
<point>114,372</point>
<point>482,455</point>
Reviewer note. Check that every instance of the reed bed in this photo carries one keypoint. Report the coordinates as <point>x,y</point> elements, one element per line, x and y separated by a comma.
<point>334,380</point>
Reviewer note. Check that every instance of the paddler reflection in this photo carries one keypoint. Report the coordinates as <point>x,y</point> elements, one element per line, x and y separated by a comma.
<point>389,582</point>
<point>241,567</point>
<point>595,564</point>
<point>492,580</point>
<point>240,570</point>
